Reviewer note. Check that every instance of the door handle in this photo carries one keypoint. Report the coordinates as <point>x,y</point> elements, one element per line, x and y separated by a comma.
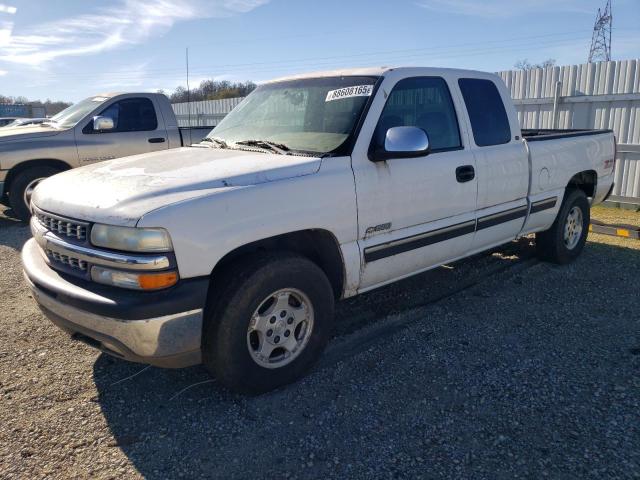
<point>157,140</point>
<point>465,173</point>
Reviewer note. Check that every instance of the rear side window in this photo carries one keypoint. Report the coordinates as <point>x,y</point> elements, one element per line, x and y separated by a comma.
<point>489,120</point>
<point>132,115</point>
<point>422,102</point>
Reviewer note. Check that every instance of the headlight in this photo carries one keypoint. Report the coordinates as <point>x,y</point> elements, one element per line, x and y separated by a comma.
<point>135,281</point>
<point>131,239</point>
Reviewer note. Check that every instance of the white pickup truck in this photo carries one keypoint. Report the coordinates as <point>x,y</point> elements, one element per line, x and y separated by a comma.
<point>315,188</point>
<point>99,128</point>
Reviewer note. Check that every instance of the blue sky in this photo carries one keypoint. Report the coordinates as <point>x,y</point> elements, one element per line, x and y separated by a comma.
<point>68,49</point>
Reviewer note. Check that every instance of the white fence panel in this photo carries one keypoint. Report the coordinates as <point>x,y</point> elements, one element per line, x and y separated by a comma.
<point>207,113</point>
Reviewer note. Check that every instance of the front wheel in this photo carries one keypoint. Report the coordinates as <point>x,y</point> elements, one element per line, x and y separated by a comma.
<point>22,187</point>
<point>564,241</point>
<point>269,324</point>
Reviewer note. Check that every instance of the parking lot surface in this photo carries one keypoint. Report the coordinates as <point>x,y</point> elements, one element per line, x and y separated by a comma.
<point>496,367</point>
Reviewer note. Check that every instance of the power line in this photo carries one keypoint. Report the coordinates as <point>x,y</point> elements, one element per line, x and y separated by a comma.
<point>435,52</point>
<point>449,51</point>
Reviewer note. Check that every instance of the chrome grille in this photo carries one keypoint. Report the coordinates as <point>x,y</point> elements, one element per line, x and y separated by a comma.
<point>74,263</point>
<point>63,226</point>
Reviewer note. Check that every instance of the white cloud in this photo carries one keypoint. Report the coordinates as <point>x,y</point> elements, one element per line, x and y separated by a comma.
<point>3,73</point>
<point>127,22</point>
<point>7,9</point>
<point>119,79</point>
<point>5,32</point>
<point>503,8</point>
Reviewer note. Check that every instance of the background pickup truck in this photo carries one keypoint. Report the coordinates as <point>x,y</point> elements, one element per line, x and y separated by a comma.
<point>96,129</point>
<point>314,188</point>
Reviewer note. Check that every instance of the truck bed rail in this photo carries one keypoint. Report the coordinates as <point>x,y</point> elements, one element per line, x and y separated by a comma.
<point>533,134</point>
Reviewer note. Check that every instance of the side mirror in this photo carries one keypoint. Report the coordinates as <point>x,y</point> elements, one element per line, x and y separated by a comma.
<point>403,142</point>
<point>101,124</point>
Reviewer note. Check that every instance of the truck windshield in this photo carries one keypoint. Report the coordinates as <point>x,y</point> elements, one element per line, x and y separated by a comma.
<point>315,115</point>
<point>70,116</point>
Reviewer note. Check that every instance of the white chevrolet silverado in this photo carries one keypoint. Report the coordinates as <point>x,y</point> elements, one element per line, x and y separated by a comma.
<point>99,128</point>
<point>315,188</point>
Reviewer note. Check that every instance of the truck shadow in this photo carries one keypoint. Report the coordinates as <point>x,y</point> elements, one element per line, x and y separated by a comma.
<point>14,232</point>
<point>181,421</point>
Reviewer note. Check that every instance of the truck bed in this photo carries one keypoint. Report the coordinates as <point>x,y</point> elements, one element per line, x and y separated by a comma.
<point>555,162</point>
<point>536,135</point>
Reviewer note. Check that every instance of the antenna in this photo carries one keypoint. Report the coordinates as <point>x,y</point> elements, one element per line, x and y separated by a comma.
<point>188,98</point>
<point>601,40</point>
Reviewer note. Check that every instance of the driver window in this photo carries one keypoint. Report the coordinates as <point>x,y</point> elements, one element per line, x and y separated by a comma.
<point>129,115</point>
<point>423,102</point>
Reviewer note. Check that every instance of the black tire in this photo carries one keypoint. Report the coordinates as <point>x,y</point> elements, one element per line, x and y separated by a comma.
<point>19,185</point>
<point>225,350</point>
<point>550,244</point>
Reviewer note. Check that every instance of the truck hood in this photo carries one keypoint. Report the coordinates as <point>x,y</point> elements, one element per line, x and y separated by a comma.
<point>119,192</point>
<point>28,132</point>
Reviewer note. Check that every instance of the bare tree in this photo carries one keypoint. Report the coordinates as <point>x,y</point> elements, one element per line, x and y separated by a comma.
<point>212,90</point>
<point>526,65</point>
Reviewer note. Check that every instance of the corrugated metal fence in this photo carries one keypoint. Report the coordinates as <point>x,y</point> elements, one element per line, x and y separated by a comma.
<point>204,114</point>
<point>591,95</point>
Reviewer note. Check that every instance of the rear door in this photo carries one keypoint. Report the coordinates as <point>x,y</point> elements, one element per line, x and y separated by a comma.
<point>413,213</point>
<point>137,129</point>
<point>501,160</point>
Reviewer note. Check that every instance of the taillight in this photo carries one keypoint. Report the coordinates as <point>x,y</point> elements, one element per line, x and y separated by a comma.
<point>610,163</point>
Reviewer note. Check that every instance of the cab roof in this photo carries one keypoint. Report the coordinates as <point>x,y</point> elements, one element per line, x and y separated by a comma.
<point>380,71</point>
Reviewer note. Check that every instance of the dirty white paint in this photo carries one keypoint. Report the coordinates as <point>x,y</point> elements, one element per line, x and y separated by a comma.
<point>123,190</point>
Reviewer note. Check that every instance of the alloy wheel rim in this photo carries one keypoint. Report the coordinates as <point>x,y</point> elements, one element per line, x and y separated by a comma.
<point>573,228</point>
<point>28,191</point>
<point>280,328</point>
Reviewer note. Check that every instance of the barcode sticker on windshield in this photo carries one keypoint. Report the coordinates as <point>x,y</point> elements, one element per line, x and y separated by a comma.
<point>348,92</point>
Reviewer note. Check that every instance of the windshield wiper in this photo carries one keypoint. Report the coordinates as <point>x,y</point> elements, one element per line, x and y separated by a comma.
<point>279,148</point>
<point>216,141</point>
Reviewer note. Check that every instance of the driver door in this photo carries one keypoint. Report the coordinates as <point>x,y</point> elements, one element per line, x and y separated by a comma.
<point>415,213</point>
<point>136,130</point>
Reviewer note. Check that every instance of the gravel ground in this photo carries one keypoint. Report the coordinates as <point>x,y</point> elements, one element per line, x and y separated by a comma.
<point>498,367</point>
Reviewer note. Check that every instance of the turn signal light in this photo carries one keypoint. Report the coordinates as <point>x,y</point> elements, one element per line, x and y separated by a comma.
<point>134,280</point>
<point>155,281</point>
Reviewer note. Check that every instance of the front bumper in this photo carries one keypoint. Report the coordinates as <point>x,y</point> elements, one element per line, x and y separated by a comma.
<point>112,319</point>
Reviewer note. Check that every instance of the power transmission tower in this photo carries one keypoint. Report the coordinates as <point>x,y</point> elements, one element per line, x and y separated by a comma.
<point>601,39</point>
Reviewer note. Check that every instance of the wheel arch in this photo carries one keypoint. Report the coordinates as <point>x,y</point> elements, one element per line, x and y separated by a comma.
<point>587,181</point>
<point>318,245</point>
<point>22,166</point>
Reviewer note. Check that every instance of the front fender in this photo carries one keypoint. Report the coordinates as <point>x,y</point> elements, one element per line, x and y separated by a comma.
<point>60,147</point>
<point>205,229</point>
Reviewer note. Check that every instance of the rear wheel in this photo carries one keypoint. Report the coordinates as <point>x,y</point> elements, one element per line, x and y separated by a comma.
<point>22,188</point>
<point>269,324</point>
<point>564,241</point>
